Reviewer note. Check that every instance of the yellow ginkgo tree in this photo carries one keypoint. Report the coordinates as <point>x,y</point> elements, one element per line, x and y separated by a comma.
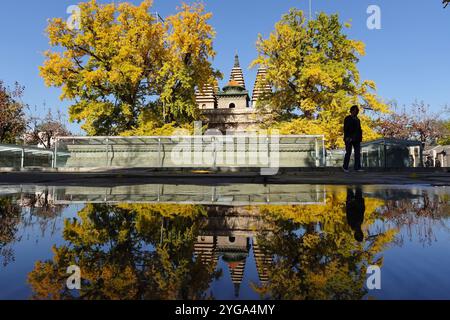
<point>312,69</point>
<point>122,67</point>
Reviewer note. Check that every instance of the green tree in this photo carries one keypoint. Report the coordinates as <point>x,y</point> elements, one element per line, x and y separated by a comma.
<point>445,140</point>
<point>123,68</point>
<point>312,69</point>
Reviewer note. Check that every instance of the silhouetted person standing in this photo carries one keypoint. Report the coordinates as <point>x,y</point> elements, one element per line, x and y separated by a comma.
<point>353,137</point>
<point>355,212</point>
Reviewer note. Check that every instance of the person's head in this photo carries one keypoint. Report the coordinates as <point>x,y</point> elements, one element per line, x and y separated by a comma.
<point>354,110</point>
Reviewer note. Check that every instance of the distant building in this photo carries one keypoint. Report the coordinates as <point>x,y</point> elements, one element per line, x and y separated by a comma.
<point>232,108</point>
<point>438,156</point>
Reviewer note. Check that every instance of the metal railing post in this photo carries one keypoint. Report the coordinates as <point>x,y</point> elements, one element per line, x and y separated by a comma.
<point>379,156</point>
<point>317,152</point>
<point>421,156</point>
<point>215,153</point>
<point>107,152</point>
<point>55,153</point>
<point>160,164</point>
<point>214,194</point>
<point>324,159</point>
<point>22,159</point>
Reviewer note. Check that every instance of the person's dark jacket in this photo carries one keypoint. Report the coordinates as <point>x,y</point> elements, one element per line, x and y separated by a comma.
<point>352,129</point>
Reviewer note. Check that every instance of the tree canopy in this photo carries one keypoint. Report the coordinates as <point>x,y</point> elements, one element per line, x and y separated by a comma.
<point>418,123</point>
<point>13,122</point>
<point>123,67</point>
<point>312,69</point>
<point>44,129</point>
<point>445,140</point>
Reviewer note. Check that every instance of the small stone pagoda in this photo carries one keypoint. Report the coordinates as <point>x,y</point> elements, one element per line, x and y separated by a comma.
<point>231,108</point>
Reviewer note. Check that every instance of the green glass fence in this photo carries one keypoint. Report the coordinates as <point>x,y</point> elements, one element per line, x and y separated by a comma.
<point>392,153</point>
<point>18,157</point>
<point>250,151</point>
<point>382,153</point>
<point>190,152</point>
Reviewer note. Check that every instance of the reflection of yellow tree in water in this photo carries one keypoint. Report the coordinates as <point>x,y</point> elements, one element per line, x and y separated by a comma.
<point>315,253</point>
<point>128,252</point>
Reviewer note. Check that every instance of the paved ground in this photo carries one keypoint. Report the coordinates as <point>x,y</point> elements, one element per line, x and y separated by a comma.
<point>324,176</point>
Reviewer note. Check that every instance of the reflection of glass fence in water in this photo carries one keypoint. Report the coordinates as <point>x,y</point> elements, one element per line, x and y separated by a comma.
<point>226,195</point>
<point>12,156</point>
<point>229,195</point>
<point>190,152</point>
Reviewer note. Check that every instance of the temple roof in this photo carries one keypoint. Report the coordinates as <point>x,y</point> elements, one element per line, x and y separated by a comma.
<point>233,88</point>
<point>233,83</point>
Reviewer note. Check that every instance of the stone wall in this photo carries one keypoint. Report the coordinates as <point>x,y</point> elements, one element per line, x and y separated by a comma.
<point>240,102</point>
<point>231,119</point>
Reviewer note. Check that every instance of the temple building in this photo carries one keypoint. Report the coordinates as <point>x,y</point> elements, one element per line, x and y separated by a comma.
<point>232,109</point>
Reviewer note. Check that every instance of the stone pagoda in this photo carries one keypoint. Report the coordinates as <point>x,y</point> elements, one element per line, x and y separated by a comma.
<point>231,108</point>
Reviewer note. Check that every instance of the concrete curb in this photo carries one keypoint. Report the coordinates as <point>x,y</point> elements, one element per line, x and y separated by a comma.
<point>224,170</point>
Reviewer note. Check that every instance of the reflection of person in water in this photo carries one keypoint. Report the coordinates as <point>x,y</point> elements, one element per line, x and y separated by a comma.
<point>355,211</point>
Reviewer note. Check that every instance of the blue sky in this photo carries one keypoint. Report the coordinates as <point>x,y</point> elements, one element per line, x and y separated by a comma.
<point>407,58</point>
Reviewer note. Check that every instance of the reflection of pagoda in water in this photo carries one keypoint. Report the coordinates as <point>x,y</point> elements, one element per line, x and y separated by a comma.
<point>234,251</point>
<point>230,233</point>
<point>262,261</point>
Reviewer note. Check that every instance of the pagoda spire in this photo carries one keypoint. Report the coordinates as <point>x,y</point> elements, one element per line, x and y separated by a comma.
<point>261,87</point>
<point>237,290</point>
<point>237,270</point>
<point>236,61</point>
<point>236,73</point>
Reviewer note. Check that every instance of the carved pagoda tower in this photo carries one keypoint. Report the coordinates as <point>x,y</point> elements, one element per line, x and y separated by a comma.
<point>231,108</point>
